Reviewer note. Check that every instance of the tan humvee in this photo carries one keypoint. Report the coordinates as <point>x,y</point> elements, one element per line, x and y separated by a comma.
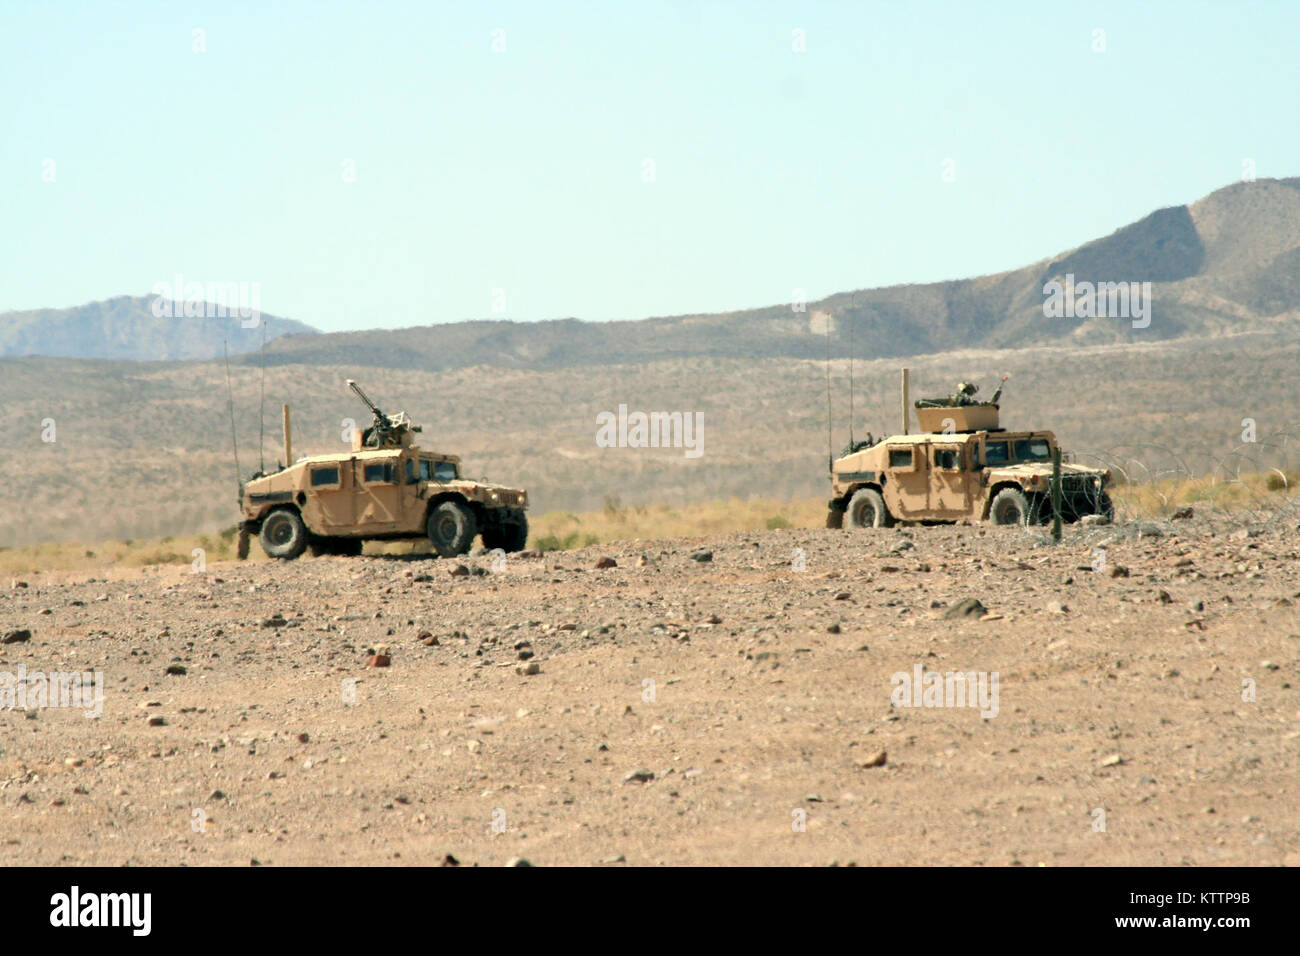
<point>386,487</point>
<point>961,466</point>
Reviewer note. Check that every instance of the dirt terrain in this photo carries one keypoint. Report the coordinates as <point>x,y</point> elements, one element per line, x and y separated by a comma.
<point>684,711</point>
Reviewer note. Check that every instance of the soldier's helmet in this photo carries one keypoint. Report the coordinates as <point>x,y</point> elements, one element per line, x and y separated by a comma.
<point>966,388</point>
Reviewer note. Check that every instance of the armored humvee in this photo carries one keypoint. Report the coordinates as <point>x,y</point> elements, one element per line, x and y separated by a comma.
<point>960,466</point>
<point>385,487</point>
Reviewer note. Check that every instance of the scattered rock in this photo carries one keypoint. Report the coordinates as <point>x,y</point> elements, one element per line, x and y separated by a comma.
<point>176,670</point>
<point>1182,514</point>
<point>1093,521</point>
<point>1118,571</point>
<point>527,670</point>
<point>459,571</point>
<point>517,861</point>
<point>275,620</point>
<point>427,639</point>
<point>1114,760</point>
<point>966,607</point>
<point>605,562</point>
<point>877,759</point>
<point>379,660</point>
<point>157,720</point>
<point>703,557</point>
<point>638,776</point>
<point>21,636</point>
<point>1056,607</point>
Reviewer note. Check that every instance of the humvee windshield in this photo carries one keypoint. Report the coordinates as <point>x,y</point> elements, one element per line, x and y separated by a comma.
<point>1033,449</point>
<point>995,453</point>
<point>437,470</point>
<point>1024,449</point>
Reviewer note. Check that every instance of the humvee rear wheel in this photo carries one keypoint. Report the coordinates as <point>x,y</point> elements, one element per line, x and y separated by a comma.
<point>451,529</point>
<point>283,535</point>
<point>1011,506</point>
<point>867,510</point>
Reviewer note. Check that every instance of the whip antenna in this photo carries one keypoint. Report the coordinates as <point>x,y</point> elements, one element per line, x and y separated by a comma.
<point>830,441</point>
<point>852,322</point>
<point>230,405</point>
<point>261,413</point>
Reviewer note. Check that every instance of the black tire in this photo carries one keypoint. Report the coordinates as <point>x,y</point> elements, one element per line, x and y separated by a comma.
<point>283,535</point>
<point>1012,506</point>
<point>509,536</point>
<point>451,528</point>
<point>835,517</point>
<point>867,510</point>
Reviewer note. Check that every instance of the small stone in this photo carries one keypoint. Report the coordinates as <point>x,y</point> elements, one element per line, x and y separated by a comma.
<point>638,776</point>
<point>1182,514</point>
<point>21,636</point>
<point>517,861</point>
<point>379,660</point>
<point>603,563</point>
<point>527,670</point>
<point>176,670</point>
<point>1056,607</point>
<point>966,607</point>
<point>1118,571</point>
<point>1114,760</point>
<point>833,629</point>
<point>157,720</point>
<point>703,557</point>
<point>877,759</point>
<point>303,738</point>
<point>459,571</point>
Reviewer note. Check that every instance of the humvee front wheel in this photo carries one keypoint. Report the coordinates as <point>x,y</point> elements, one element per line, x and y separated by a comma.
<point>867,510</point>
<point>451,529</point>
<point>283,535</point>
<point>1011,506</point>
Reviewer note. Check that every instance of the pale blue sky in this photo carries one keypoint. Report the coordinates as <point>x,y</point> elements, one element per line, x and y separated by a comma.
<point>523,170</point>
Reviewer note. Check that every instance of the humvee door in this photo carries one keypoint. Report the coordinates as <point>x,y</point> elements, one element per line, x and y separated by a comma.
<point>950,477</point>
<point>906,481</point>
<point>329,495</point>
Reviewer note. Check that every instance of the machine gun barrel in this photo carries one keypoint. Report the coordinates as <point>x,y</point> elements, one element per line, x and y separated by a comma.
<point>366,398</point>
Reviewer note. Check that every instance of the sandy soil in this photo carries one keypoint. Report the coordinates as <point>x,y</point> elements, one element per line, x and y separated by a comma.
<point>730,711</point>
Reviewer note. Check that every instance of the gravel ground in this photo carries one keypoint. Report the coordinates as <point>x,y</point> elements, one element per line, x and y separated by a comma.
<point>734,710</point>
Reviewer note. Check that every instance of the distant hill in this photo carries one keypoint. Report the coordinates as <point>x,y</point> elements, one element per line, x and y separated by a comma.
<point>1229,263</point>
<point>125,327</point>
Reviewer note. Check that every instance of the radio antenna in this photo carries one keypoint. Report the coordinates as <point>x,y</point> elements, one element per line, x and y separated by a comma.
<point>261,413</point>
<point>830,440</point>
<point>852,322</point>
<point>230,405</point>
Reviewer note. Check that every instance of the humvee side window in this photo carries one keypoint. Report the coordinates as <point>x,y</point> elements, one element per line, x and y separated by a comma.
<point>426,469</point>
<point>995,453</point>
<point>948,458</point>
<point>900,458</point>
<point>324,476</point>
<point>445,470</point>
<point>410,471</point>
<point>379,472</point>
